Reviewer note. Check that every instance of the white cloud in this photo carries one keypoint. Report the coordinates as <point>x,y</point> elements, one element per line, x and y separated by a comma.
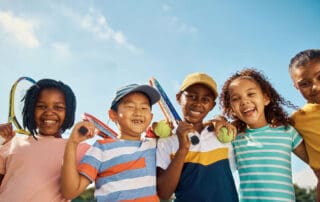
<point>305,178</point>
<point>62,49</point>
<point>19,28</point>
<point>97,24</point>
<point>181,26</point>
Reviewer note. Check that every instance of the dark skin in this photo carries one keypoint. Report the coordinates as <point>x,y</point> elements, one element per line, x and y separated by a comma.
<point>196,102</point>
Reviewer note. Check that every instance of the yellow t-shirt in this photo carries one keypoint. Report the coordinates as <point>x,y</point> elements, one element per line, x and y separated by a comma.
<point>307,122</point>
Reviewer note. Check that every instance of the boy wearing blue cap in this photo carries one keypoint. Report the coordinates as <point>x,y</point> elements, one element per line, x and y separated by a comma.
<point>123,169</point>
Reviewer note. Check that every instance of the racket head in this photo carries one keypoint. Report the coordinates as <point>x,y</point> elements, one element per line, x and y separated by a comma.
<point>17,93</point>
<point>103,130</point>
<point>165,103</point>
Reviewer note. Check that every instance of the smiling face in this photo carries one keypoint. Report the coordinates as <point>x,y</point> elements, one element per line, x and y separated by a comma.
<point>248,102</point>
<point>50,112</point>
<point>307,80</point>
<point>196,102</point>
<point>133,115</point>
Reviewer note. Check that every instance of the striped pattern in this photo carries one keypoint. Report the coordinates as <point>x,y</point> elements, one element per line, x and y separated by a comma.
<point>206,174</point>
<point>122,170</point>
<point>263,159</point>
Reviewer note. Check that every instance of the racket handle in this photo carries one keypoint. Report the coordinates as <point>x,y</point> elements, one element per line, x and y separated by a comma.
<point>83,130</point>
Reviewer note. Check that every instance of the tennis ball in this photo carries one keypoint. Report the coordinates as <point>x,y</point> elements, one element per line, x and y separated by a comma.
<point>223,135</point>
<point>162,129</point>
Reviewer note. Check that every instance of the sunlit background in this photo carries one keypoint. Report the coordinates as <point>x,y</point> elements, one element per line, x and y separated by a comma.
<point>98,46</point>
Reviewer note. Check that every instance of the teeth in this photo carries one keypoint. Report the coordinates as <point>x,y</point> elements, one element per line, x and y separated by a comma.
<point>195,113</point>
<point>49,121</point>
<point>247,110</point>
<point>137,121</point>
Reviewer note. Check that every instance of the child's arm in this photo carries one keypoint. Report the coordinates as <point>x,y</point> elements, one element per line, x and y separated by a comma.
<point>167,180</point>
<point>301,152</point>
<point>72,183</point>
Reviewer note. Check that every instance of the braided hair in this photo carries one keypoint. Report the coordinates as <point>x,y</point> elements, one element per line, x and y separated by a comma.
<point>31,98</point>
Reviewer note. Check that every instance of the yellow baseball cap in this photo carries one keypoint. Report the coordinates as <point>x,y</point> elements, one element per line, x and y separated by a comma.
<point>200,78</point>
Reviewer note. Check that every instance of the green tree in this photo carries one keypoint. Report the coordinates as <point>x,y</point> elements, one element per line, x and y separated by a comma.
<point>305,195</point>
<point>86,196</point>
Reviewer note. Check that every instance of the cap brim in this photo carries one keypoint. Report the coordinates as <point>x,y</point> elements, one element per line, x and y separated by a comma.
<point>151,92</point>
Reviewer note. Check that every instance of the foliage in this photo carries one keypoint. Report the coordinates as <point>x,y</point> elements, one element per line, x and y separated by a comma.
<point>86,196</point>
<point>305,195</point>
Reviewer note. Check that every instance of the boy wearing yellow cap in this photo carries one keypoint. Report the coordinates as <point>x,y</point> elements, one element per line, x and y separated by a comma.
<point>195,172</point>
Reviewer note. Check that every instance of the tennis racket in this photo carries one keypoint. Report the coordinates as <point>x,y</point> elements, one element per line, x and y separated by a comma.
<point>103,130</point>
<point>168,109</point>
<point>17,93</point>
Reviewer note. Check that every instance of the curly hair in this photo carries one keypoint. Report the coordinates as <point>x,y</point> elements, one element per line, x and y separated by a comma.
<point>303,58</point>
<point>274,112</point>
<point>31,97</point>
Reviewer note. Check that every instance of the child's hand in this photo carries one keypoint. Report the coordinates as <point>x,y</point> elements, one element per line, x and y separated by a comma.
<point>182,132</point>
<point>6,133</point>
<point>78,134</point>
<point>219,123</point>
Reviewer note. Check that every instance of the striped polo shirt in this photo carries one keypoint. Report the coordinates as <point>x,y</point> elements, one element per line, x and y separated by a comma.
<point>123,170</point>
<point>263,158</point>
<point>206,174</point>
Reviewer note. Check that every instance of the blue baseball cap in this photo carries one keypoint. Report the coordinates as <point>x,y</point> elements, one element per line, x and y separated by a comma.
<point>149,91</point>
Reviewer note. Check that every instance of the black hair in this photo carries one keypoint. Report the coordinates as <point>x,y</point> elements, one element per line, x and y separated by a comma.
<point>31,98</point>
<point>303,58</point>
<point>274,112</point>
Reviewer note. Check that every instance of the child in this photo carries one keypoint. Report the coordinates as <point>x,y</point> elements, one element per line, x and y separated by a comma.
<point>304,69</point>
<point>199,172</point>
<point>30,166</point>
<point>263,153</point>
<point>123,169</point>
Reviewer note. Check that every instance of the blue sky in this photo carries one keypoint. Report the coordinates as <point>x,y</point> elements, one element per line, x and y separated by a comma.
<point>98,46</point>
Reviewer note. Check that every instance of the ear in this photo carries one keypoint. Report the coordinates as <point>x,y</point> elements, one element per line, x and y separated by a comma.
<point>266,100</point>
<point>178,97</point>
<point>113,115</point>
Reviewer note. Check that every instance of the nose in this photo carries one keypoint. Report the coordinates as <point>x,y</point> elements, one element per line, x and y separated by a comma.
<point>244,101</point>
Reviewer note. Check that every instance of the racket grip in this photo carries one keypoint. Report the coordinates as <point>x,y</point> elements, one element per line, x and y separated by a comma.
<point>83,130</point>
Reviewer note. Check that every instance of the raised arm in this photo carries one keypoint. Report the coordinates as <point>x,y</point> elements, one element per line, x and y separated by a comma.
<point>73,183</point>
<point>167,180</point>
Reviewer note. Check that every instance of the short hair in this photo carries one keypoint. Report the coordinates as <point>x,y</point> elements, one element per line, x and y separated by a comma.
<point>31,97</point>
<point>303,58</point>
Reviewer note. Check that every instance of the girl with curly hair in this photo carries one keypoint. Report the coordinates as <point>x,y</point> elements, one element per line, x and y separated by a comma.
<point>262,152</point>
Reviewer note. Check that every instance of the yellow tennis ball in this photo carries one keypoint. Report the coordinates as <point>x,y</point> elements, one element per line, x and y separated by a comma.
<point>162,129</point>
<point>223,135</point>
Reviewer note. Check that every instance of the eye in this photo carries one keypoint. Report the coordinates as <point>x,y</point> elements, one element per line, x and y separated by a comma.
<point>145,107</point>
<point>59,108</point>
<point>304,84</point>
<point>192,97</point>
<point>206,100</point>
<point>234,99</point>
<point>41,106</point>
<point>251,94</point>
